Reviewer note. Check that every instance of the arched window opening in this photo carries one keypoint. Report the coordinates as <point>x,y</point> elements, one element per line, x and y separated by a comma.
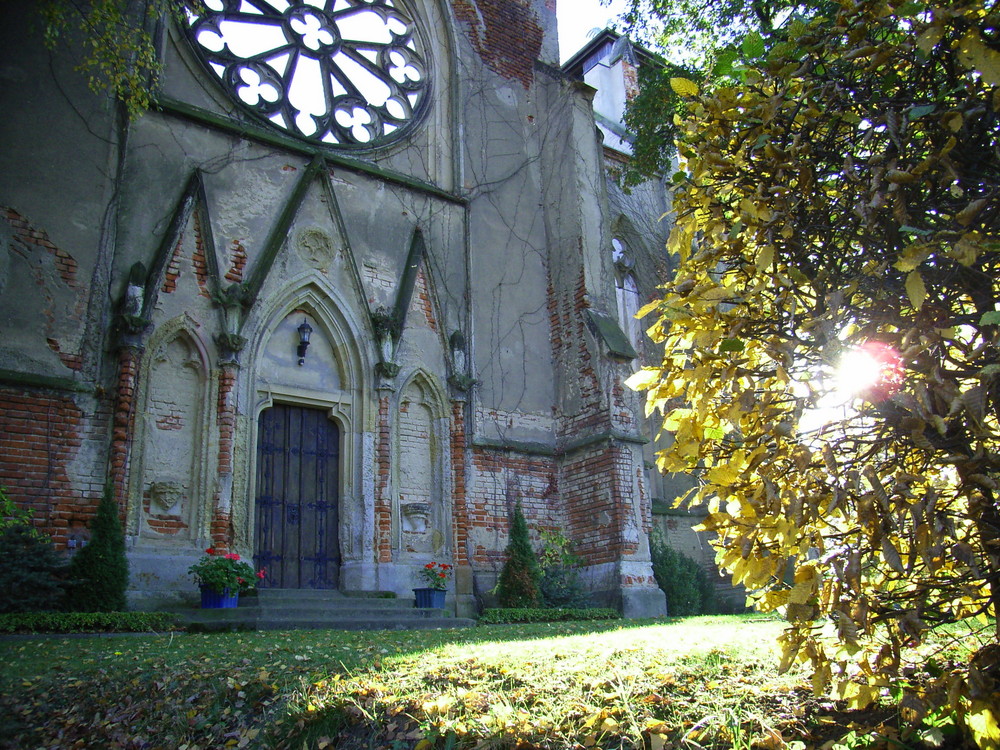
<point>350,73</point>
<point>626,292</point>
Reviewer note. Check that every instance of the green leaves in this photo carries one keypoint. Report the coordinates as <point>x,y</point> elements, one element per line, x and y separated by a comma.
<point>752,46</point>
<point>118,57</point>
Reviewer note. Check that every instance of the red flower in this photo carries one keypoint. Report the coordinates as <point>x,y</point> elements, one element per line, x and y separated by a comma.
<point>232,556</point>
<point>240,581</point>
<point>429,566</point>
<point>210,551</point>
<point>261,573</point>
<point>446,566</point>
<point>442,575</point>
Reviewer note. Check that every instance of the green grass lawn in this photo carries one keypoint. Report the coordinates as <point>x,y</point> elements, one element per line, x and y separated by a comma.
<point>700,682</point>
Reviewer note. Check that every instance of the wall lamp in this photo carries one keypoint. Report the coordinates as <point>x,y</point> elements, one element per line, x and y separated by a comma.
<point>305,331</point>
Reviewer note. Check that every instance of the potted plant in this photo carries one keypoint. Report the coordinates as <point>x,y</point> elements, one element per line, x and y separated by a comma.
<point>435,576</point>
<point>222,577</point>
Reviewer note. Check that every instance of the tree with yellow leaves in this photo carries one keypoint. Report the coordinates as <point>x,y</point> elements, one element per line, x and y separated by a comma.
<point>832,341</point>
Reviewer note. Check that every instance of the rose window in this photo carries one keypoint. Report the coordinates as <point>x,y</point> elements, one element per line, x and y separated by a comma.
<point>343,72</point>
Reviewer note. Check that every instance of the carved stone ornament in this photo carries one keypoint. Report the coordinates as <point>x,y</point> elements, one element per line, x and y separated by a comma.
<point>315,247</point>
<point>415,516</point>
<point>166,497</point>
<point>462,382</point>
<point>387,369</point>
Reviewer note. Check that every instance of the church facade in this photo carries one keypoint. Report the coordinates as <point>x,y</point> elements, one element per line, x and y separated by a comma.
<point>356,286</point>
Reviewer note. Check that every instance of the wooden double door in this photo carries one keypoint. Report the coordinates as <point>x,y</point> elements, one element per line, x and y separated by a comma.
<point>297,531</point>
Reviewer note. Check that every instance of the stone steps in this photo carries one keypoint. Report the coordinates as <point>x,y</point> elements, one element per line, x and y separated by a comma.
<point>294,609</point>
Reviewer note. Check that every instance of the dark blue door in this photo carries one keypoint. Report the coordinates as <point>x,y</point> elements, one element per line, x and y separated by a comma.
<point>296,534</point>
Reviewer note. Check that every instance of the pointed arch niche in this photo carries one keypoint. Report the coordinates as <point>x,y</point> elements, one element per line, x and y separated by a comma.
<point>168,491</point>
<point>422,514</point>
<point>333,379</point>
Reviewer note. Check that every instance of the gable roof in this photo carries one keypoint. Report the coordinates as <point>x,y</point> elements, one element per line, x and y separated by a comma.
<point>608,43</point>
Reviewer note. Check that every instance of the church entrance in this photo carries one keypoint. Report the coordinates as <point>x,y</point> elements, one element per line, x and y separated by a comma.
<point>296,535</point>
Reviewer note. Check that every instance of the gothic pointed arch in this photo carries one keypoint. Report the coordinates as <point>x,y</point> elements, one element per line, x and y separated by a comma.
<point>422,509</point>
<point>333,381</point>
<point>169,490</point>
<point>626,250</point>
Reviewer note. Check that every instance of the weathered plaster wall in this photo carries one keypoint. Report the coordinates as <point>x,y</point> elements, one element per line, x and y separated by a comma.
<point>494,217</point>
<point>54,233</point>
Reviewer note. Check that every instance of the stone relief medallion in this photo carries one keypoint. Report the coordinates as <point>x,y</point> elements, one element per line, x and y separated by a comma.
<point>316,248</point>
<point>348,73</point>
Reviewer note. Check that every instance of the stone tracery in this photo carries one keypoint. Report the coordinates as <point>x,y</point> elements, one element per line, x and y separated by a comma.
<point>343,72</point>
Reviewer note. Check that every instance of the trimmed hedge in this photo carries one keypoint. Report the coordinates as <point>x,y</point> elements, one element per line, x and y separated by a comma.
<point>86,622</point>
<point>533,614</point>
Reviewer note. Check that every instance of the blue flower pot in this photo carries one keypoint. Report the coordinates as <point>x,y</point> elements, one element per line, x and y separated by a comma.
<point>429,598</point>
<point>214,600</point>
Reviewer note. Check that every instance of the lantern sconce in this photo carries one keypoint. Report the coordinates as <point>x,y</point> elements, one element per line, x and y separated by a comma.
<point>305,331</point>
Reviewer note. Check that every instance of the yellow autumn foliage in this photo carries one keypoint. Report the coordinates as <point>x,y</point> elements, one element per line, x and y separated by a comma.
<point>844,195</point>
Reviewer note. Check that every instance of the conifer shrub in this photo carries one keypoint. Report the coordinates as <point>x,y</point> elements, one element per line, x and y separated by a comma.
<point>30,568</point>
<point>687,587</point>
<point>99,571</point>
<point>559,584</point>
<point>518,582</point>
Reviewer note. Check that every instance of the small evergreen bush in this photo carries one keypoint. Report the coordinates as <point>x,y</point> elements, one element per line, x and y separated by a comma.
<point>30,568</point>
<point>518,582</point>
<point>29,571</point>
<point>688,589</point>
<point>99,571</point>
<point>560,581</point>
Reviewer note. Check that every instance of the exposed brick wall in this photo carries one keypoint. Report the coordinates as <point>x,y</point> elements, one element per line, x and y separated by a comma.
<point>567,310</point>
<point>630,75</point>
<point>588,481</point>
<point>173,272</point>
<point>123,418</point>
<point>199,260</point>
<point>383,467</point>
<point>221,531</point>
<point>422,299</point>
<point>505,33</point>
<point>41,435</point>
<point>379,279</point>
<point>65,267</point>
<point>198,263</point>
<point>65,264</point>
<point>226,415</point>
<point>503,478</point>
<point>622,416</point>
<point>595,482</point>
<point>460,516</point>
<point>221,527</point>
<point>72,361</point>
<point>237,262</point>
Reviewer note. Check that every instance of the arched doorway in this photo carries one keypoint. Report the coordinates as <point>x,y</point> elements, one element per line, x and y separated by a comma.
<point>296,538</point>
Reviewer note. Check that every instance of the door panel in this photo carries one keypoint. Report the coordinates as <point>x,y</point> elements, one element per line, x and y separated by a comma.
<point>296,536</point>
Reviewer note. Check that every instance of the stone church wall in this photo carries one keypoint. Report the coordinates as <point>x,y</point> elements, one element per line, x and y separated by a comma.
<point>465,350</point>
